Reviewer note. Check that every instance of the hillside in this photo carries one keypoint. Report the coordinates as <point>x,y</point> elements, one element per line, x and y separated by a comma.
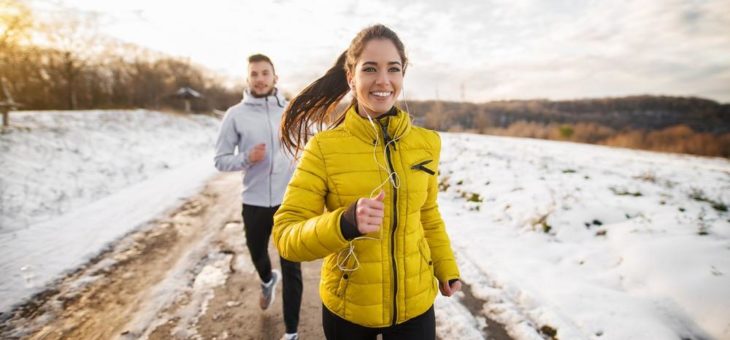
<point>674,124</point>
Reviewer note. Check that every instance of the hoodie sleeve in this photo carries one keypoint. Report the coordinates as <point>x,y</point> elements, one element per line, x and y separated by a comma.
<point>302,230</point>
<point>228,138</point>
<point>444,262</point>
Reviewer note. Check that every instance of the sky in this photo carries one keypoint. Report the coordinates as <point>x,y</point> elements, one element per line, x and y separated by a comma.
<point>466,50</point>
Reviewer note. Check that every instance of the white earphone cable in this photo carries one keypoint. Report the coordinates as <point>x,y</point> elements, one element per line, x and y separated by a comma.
<point>345,254</point>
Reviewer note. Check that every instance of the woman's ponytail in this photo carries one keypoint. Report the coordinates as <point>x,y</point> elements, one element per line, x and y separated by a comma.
<point>312,108</point>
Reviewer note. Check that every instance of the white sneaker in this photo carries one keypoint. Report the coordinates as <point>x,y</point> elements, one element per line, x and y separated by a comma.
<point>290,336</point>
<point>268,290</point>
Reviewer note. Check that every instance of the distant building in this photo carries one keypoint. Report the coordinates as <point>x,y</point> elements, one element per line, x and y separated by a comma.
<point>187,94</point>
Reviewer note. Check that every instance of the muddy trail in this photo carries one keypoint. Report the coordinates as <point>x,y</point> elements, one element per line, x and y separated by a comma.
<point>186,275</point>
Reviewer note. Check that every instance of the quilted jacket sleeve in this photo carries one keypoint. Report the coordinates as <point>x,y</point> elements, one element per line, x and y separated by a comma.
<point>303,231</point>
<point>434,227</point>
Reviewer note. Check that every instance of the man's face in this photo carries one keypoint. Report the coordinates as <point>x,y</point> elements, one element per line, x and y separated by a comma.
<point>261,78</point>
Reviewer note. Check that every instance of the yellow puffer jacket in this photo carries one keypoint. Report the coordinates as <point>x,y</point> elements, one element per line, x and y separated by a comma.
<point>397,266</point>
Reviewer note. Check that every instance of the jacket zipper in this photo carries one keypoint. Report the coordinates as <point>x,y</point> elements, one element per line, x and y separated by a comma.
<point>421,166</point>
<point>271,157</point>
<point>394,224</point>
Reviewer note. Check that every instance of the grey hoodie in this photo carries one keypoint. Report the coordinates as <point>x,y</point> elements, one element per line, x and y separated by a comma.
<point>246,124</point>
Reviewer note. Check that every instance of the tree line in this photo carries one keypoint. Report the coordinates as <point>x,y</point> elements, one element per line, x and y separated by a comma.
<point>61,62</point>
<point>662,123</point>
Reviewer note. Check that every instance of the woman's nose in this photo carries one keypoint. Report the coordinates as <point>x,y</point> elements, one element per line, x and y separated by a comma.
<point>382,78</point>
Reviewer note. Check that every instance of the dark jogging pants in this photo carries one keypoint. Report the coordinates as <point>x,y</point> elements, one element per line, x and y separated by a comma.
<point>422,327</point>
<point>257,224</point>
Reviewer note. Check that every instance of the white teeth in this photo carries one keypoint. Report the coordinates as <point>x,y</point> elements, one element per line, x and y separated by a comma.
<point>381,94</point>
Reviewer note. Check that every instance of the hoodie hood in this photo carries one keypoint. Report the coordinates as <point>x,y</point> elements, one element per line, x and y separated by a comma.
<point>274,97</point>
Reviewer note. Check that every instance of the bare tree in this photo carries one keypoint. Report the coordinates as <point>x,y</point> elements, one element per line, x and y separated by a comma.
<point>16,22</point>
<point>75,35</point>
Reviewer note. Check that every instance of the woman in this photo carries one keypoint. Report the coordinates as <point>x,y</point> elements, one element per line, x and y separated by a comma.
<point>363,197</point>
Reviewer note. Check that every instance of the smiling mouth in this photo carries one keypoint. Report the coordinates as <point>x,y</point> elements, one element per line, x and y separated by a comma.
<point>381,93</point>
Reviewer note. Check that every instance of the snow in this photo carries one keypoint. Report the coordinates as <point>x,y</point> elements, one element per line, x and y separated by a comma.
<point>454,321</point>
<point>613,264</point>
<point>591,242</point>
<point>57,161</point>
<point>89,178</point>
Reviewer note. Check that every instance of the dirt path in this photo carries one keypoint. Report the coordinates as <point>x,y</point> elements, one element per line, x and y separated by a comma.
<point>185,276</point>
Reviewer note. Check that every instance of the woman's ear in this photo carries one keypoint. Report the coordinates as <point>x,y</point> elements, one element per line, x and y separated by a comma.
<point>350,81</point>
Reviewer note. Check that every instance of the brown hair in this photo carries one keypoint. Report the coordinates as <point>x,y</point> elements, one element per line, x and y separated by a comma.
<point>312,108</point>
<point>254,58</point>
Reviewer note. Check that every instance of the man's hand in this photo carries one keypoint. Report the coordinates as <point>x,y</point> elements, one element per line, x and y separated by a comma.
<point>370,213</point>
<point>448,290</point>
<point>257,153</point>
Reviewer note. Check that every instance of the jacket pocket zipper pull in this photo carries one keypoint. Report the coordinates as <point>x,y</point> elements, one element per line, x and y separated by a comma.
<point>420,166</point>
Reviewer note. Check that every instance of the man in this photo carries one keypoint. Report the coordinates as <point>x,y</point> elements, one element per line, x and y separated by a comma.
<point>252,126</point>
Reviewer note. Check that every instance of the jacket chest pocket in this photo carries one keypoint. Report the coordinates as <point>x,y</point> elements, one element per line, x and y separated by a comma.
<point>419,175</point>
<point>421,172</point>
<point>424,166</point>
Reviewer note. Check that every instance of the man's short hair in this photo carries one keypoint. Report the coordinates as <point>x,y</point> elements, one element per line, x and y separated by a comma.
<point>260,57</point>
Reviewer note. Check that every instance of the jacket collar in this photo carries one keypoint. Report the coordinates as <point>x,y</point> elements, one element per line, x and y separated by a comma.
<point>275,98</point>
<point>398,123</point>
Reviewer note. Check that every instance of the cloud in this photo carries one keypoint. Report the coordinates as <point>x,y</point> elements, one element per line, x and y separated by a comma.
<point>561,49</point>
<point>477,50</point>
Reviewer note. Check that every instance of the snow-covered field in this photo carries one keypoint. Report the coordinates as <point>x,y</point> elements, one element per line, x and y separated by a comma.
<point>579,241</point>
<point>594,242</point>
<point>75,181</point>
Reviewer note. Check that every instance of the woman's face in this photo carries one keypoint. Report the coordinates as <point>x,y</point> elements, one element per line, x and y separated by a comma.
<point>377,78</point>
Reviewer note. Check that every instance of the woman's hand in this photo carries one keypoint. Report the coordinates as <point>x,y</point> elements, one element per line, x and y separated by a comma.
<point>448,290</point>
<point>369,213</point>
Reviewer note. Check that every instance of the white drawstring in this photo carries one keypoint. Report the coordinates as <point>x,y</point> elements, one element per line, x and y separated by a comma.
<point>350,252</point>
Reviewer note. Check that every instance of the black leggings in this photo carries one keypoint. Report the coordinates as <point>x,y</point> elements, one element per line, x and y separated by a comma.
<point>422,327</point>
<point>257,224</point>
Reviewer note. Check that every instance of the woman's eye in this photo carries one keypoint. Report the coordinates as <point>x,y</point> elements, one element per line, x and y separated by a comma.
<point>394,69</point>
<point>369,69</point>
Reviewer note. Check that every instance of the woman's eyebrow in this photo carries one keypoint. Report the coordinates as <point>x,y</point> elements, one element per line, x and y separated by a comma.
<point>376,64</point>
